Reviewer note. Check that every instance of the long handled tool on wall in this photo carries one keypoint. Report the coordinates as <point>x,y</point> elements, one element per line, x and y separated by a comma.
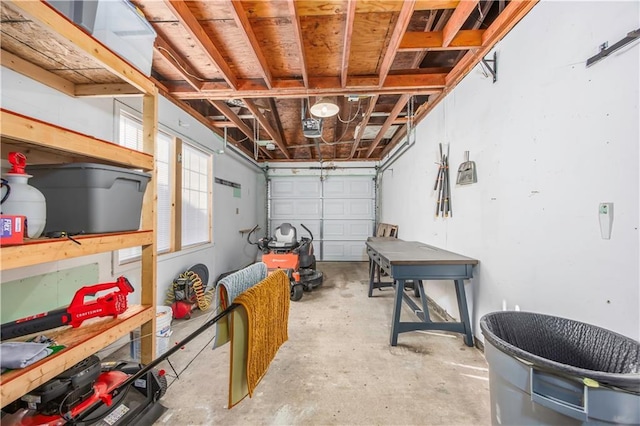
<point>442,185</point>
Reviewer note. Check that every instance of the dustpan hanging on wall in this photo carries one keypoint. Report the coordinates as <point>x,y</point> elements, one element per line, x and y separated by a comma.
<point>467,171</point>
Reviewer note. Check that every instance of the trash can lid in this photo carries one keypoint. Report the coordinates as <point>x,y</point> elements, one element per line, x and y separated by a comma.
<point>566,346</point>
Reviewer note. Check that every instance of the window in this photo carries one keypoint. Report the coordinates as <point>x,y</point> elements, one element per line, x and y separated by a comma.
<point>163,191</point>
<point>194,196</point>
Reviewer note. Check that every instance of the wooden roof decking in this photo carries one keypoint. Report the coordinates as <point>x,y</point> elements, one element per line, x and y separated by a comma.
<point>255,67</point>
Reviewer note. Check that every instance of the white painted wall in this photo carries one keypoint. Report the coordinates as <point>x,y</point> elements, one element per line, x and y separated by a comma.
<point>551,140</point>
<point>97,117</point>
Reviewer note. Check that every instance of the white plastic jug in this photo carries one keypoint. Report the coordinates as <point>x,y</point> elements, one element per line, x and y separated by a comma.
<point>20,198</point>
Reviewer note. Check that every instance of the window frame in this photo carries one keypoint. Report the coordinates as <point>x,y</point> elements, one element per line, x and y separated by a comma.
<point>177,143</point>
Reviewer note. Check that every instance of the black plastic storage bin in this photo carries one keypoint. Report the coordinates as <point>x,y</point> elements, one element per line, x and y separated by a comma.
<point>90,198</point>
<point>550,370</point>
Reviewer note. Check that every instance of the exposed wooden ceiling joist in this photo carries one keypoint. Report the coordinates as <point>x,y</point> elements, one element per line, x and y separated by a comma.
<point>423,83</point>
<point>295,23</point>
<point>251,106</point>
<point>399,106</point>
<point>459,17</point>
<point>244,24</point>
<point>434,40</point>
<point>512,13</point>
<point>438,26</point>
<point>209,53</point>
<point>363,124</point>
<point>202,119</point>
<point>274,111</point>
<point>398,31</point>
<point>180,64</point>
<point>346,45</point>
<point>201,38</point>
<point>233,117</point>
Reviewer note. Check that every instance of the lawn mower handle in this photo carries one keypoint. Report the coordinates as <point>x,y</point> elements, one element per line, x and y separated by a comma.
<point>307,229</point>
<point>250,233</point>
<point>261,243</point>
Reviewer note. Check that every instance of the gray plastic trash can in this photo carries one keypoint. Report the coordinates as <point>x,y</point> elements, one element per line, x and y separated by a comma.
<point>555,371</point>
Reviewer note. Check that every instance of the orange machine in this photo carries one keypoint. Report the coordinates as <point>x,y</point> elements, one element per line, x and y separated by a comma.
<point>284,251</point>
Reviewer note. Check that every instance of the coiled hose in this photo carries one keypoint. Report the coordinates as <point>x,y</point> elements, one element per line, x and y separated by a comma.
<point>203,297</point>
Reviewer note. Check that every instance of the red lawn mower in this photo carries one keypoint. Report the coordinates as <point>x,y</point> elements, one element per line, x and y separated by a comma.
<point>284,251</point>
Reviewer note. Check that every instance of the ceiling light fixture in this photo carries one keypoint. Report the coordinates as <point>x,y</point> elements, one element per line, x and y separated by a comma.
<point>324,108</point>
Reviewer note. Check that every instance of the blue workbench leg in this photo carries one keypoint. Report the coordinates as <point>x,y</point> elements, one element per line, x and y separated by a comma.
<point>397,307</point>
<point>423,300</point>
<point>464,312</point>
<point>372,270</point>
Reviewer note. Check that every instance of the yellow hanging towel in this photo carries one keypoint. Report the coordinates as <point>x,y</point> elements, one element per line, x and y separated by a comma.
<point>258,328</point>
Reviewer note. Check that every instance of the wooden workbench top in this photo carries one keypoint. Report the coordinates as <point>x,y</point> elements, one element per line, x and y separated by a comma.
<point>400,252</point>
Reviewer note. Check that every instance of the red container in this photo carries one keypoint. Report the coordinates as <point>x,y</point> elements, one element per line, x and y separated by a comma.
<point>13,229</point>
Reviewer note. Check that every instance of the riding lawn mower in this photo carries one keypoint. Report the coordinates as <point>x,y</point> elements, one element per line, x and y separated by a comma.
<point>296,258</point>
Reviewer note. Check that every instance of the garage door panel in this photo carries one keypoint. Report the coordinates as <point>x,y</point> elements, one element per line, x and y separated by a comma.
<point>299,209</point>
<point>281,188</point>
<point>348,209</point>
<point>358,230</point>
<point>334,208</point>
<point>339,211</point>
<point>304,187</point>
<point>349,187</point>
<point>344,250</point>
<point>283,208</point>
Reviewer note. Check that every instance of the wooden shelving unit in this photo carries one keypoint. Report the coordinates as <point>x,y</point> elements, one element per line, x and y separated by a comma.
<point>81,342</point>
<point>49,33</point>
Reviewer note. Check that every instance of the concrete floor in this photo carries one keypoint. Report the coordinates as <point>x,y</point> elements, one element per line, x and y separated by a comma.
<point>337,368</point>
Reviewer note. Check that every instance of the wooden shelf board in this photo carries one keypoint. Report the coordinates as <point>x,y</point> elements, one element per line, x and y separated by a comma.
<point>43,250</point>
<point>80,343</point>
<point>55,29</point>
<point>18,130</point>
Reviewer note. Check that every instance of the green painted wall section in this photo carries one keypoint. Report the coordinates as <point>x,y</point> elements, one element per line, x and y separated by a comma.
<point>42,293</point>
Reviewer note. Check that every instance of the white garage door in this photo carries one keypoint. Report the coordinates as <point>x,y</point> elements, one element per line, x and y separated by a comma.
<point>339,211</point>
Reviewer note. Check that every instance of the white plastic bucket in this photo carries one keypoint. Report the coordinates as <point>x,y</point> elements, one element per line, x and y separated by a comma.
<point>164,316</point>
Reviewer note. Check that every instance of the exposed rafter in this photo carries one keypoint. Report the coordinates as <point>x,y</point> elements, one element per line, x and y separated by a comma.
<point>274,111</point>
<point>346,45</point>
<point>202,39</point>
<point>400,28</point>
<point>233,117</point>
<point>237,121</point>
<point>513,12</point>
<point>402,132</point>
<point>180,64</point>
<point>357,53</point>
<point>459,17</point>
<point>415,82</point>
<point>397,109</point>
<point>198,116</point>
<point>273,134</point>
<point>363,124</point>
<point>484,10</point>
<point>295,22</point>
<point>438,26</point>
<point>244,25</point>
<point>416,41</point>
